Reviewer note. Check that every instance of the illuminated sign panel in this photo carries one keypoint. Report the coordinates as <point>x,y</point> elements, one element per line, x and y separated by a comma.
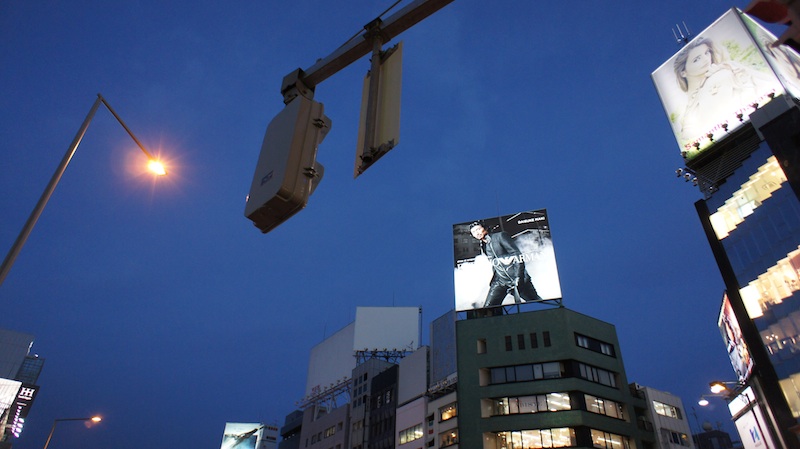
<point>709,88</point>
<point>504,260</point>
<point>738,352</point>
<point>242,435</point>
<point>750,422</point>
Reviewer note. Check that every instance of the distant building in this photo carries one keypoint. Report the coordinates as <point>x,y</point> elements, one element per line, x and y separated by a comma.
<point>19,374</point>
<point>670,423</point>
<point>713,439</point>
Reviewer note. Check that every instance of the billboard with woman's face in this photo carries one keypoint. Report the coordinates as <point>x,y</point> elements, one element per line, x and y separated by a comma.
<point>504,260</point>
<point>710,87</point>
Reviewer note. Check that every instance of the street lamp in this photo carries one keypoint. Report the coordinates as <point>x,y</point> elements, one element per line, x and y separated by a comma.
<point>94,419</point>
<point>153,165</point>
<point>721,388</point>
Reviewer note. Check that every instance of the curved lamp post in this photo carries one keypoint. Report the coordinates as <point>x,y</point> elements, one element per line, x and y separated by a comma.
<point>154,166</point>
<point>94,419</point>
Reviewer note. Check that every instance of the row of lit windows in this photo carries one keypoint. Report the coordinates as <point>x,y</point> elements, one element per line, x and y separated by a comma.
<point>778,283</point>
<point>603,406</point>
<point>744,201</point>
<point>605,440</point>
<point>536,438</point>
<point>549,402</point>
<point>554,438</point>
<point>411,434</point>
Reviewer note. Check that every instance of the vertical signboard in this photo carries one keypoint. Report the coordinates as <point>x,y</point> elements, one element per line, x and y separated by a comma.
<point>738,352</point>
<point>21,407</point>
<point>710,87</point>
<point>750,421</point>
<point>504,260</point>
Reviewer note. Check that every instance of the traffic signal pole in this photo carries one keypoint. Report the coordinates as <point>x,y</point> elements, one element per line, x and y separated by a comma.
<point>303,82</point>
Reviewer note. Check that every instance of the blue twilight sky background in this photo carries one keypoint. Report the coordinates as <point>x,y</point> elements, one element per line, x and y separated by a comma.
<point>161,307</point>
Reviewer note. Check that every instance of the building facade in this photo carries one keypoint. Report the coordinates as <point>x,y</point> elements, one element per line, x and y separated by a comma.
<point>548,378</point>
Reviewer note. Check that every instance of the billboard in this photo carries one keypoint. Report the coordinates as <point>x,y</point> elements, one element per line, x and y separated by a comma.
<point>242,436</point>
<point>710,87</point>
<point>750,421</point>
<point>387,328</point>
<point>504,260</point>
<point>738,352</point>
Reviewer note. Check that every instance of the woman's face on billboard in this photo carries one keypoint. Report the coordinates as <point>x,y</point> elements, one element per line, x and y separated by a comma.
<point>698,61</point>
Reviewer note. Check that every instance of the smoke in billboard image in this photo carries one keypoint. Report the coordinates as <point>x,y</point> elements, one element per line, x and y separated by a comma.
<point>504,260</point>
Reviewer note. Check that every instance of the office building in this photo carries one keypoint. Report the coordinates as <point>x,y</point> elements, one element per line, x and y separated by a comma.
<point>547,378</point>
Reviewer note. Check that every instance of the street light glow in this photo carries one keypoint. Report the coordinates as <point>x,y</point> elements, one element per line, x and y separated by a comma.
<point>718,387</point>
<point>156,167</point>
<point>96,419</point>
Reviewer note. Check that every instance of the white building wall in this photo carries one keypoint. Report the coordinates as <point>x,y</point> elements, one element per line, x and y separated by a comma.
<point>408,416</point>
<point>439,426</point>
<point>413,376</point>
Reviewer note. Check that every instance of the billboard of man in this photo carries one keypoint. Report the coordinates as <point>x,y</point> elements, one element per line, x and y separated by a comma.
<point>504,260</point>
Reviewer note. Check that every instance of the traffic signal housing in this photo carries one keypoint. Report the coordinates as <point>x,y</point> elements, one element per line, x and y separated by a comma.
<point>287,171</point>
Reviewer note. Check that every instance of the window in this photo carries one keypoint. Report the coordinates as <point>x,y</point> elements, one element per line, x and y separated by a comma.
<point>667,410</point>
<point>525,373</point>
<point>534,340</point>
<point>448,438</point>
<point>521,341</point>
<point>595,345</point>
<point>330,431</point>
<point>603,406</point>
<point>539,438</point>
<point>597,375</point>
<point>411,434</point>
<point>550,402</point>
<point>674,437</point>
<point>546,338</point>
<point>508,343</point>
<point>449,411</point>
<point>481,346</point>
<point>605,440</point>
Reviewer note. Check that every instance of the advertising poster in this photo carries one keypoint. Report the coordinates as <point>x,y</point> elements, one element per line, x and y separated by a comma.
<point>738,351</point>
<point>241,435</point>
<point>504,260</point>
<point>751,425</point>
<point>709,87</point>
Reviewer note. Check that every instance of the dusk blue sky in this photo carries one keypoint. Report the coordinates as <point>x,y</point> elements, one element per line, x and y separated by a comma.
<point>161,307</point>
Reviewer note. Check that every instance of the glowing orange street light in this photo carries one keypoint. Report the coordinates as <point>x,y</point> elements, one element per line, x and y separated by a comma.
<point>94,419</point>
<point>153,165</point>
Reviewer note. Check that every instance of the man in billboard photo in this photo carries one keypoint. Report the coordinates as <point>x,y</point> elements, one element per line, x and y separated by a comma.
<point>715,86</point>
<point>508,265</point>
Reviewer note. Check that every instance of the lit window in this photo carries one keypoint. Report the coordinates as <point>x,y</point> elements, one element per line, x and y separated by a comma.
<point>448,438</point>
<point>667,410</point>
<point>448,412</point>
<point>411,434</point>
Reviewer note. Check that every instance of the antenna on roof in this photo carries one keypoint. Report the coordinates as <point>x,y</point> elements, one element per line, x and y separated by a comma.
<point>682,37</point>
